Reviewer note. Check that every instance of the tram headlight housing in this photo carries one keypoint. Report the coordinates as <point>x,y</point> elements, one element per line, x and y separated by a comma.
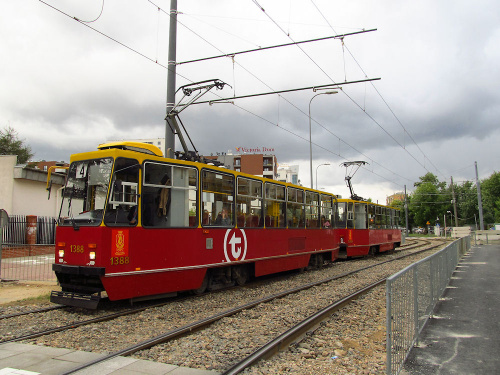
<point>92,255</point>
<point>61,253</point>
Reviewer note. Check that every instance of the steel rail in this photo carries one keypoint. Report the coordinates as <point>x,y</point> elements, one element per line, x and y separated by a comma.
<point>44,309</point>
<point>136,310</point>
<point>285,339</point>
<point>191,327</point>
<point>91,321</point>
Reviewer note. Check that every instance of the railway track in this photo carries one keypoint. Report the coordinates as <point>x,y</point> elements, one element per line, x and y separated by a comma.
<point>66,320</point>
<point>199,324</point>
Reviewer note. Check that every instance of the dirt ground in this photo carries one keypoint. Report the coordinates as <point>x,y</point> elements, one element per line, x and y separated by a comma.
<point>11,292</point>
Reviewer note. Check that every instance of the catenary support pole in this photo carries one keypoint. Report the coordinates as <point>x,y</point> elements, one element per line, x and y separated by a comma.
<point>172,55</point>
<point>454,202</point>
<point>406,212</point>
<point>479,200</point>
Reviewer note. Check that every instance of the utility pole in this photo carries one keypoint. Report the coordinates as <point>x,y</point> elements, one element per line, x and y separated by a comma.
<point>406,212</point>
<point>479,201</point>
<point>172,56</point>
<point>454,202</point>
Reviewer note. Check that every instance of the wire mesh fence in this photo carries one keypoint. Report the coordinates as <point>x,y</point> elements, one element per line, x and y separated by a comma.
<point>411,297</point>
<point>27,248</point>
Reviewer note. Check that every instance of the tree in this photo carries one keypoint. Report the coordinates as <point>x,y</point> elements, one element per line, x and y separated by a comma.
<point>466,195</point>
<point>490,190</point>
<point>429,201</point>
<point>10,144</point>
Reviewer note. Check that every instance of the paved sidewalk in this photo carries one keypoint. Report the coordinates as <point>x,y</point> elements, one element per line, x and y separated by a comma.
<point>463,336</point>
<point>25,359</point>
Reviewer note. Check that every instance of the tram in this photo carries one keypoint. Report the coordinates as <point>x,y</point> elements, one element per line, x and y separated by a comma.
<point>366,228</point>
<point>134,224</point>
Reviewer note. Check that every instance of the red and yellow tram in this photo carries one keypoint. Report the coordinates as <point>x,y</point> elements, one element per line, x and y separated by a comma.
<point>366,228</point>
<point>134,224</point>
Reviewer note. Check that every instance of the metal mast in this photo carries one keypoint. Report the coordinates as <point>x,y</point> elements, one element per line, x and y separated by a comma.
<point>172,56</point>
<point>479,200</point>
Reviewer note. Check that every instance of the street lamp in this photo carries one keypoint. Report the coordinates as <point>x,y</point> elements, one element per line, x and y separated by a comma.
<point>317,173</point>
<point>310,137</point>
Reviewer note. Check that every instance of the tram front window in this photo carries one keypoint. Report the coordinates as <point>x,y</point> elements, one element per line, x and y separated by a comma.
<point>84,196</point>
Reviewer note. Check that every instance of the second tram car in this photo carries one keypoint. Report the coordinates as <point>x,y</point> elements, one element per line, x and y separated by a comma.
<point>134,224</point>
<point>366,228</point>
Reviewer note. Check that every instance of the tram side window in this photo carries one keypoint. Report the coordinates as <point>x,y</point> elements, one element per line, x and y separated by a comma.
<point>371,216</point>
<point>249,203</point>
<point>275,206</point>
<point>360,216</point>
<point>396,219</point>
<point>217,199</point>
<point>385,217</point>
<point>378,217</point>
<point>169,196</point>
<point>295,208</point>
<point>326,211</point>
<point>341,219</point>
<point>312,210</point>
<point>122,204</point>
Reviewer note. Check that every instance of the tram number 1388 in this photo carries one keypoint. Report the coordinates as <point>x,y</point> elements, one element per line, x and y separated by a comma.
<point>119,260</point>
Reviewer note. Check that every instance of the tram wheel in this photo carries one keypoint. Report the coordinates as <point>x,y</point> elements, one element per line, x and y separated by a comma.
<point>240,275</point>
<point>204,284</point>
<point>372,251</point>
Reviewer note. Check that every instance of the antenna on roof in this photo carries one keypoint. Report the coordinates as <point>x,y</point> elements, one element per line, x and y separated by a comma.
<point>349,175</point>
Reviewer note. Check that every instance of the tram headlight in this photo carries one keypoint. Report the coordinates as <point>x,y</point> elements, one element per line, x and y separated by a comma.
<point>61,253</point>
<point>92,255</point>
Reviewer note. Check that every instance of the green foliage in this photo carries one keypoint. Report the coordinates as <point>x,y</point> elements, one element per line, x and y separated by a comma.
<point>466,195</point>
<point>490,190</point>
<point>429,201</point>
<point>432,199</point>
<point>10,144</point>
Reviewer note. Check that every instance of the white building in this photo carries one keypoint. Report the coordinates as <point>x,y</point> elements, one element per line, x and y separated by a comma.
<point>23,190</point>
<point>288,173</point>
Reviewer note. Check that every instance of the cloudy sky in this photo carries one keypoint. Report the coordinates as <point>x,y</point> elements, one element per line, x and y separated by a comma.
<point>67,86</point>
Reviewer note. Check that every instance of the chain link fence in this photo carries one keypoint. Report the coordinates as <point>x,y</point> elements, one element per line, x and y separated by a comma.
<point>411,297</point>
<point>27,248</point>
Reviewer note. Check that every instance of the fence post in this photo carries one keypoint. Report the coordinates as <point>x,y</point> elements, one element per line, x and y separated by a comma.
<point>388,328</point>
<point>4,220</point>
<point>415,302</point>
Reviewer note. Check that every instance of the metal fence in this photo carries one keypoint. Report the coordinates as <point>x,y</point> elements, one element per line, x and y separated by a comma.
<point>24,257</point>
<point>411,297</point>
<point>15,231</point>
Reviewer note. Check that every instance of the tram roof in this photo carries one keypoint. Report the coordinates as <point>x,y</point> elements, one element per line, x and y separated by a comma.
<point>151,150</point>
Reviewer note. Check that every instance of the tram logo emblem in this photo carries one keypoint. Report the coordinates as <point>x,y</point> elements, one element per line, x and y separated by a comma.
<point>235,245</point>
<point>119,243</point>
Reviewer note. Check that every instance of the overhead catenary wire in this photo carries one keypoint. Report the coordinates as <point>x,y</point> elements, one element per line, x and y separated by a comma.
<point>378,92</point>
<point>99,16</point>
<point>112,39</point>
<point>334,82</point>
<point>275,46</point>
<point>187,79</point>
<point>252,74</point>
